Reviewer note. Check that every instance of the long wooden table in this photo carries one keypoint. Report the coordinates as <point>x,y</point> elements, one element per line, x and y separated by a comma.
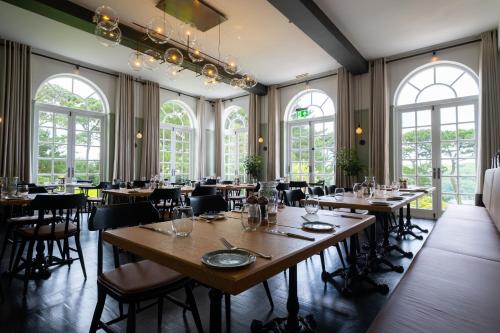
<point>184,254</point>
<point>140,193</point>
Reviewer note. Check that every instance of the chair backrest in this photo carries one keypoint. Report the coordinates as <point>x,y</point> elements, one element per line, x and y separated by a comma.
<point>165,194</point>
<point>293,197</point>
<point>210,181</point>
<point>330,189</point>
<point>84,181</point>
<point>207,204</point>
<point>203,190</point>
<point>317,190</point>
<point>140,183</point>
<point>298,184</point>
<point>227,182</point>
<point>283,186</point>
<point>37,190</point>
<point>119,216</point>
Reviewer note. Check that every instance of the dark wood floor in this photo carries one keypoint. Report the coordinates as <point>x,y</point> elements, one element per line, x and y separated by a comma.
<point>65,302</point>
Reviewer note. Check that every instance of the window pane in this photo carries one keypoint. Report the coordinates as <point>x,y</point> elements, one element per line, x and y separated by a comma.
<point>407,95</point>
<point>447,74</point>
<point>466,86</point>
<point>423,78</point>
<point>408,119</point>
<point>466,113</point>
<point>435,93</point>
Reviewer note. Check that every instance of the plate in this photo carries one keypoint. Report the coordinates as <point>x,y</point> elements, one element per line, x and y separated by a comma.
<point>407,194</point>
<point>226,259</point>
<point>379,203</point>
<point>395,198</point>
<point>211,217</point>
<point>318,226</point>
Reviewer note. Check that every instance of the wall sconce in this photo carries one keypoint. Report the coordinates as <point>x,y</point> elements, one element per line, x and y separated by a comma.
<point>359,132</point>
<point>261,140</point>
<point>76,71</point>
<point>1,120</point>
<point>138,136</point>
<point>434,57</point>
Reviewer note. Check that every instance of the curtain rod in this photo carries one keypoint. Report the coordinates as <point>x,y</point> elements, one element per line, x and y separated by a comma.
<point>108,73</point>
<point>430,50</point>
<point>231,98</point>
<point>306,81</point>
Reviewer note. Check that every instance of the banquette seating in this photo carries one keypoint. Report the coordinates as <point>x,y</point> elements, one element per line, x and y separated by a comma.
<point>452,284</point>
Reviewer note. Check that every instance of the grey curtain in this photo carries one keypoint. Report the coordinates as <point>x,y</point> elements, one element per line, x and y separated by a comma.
<point>344,120</point>
<point>124,129</point>
<point>15,98</point>
<point>273,136</point>
<point>489,116</point>
<point>150,156</point>
<point>219,107</point>
<point>253,124</point>
<point>379,122</point>
<point>201,144</point>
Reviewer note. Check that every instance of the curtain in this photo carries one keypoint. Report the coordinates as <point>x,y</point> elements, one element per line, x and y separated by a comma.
<point>379,122</point>
<point>124,129</point>
<point>150,157</point>
<point>344,121</point>
<point>253,125</point>
<point>15,111</point>
<point>489,117</point>
<point>219,107</point>
<point>273,136</point>
<point>201,144</point>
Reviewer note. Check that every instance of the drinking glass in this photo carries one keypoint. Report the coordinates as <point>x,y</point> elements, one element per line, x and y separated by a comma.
<point>357,189</point>
<point>22,191</point>
<point>182,221</point>
<point>123,186</point>
<point>395,185</point>
<point>272,211</point>
<point>339,194</point>
<point>3,187</point>
<point>311,204</point>
<point>251,217</point>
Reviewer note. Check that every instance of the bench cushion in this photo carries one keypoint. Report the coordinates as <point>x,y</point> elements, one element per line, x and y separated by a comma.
<point>475,238</point>
<point>444,292</point>
<point>465,212</point>
<point>494,207</point>
<point>487,187</point>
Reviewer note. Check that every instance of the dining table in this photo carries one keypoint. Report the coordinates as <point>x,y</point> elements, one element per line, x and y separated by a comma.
<point>132,194</point>
<point>225,189</point>
<point>184,254</point>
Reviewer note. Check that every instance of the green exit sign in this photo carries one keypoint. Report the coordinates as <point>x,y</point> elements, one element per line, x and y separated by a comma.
<point>302,113</point>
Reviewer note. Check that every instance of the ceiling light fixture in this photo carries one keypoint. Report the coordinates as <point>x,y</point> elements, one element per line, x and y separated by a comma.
<point>159,30</point>
<point>174,57</point>
<point>434,57</point>
<point>106,17</point>
<point>152,59</point>
<point>136,61</point>
<point>108,38</point>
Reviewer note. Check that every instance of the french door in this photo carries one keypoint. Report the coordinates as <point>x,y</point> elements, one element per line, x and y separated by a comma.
<point>311,150</point>
<point>68,144</point>
<point>235,151</point>
<point>437,147</point>
<point>175,153</point>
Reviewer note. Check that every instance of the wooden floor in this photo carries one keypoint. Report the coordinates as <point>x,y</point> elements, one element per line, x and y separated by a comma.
<point>65,302</point>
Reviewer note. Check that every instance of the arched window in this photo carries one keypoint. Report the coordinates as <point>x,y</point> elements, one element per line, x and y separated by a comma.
<point>176,141</point>
<point>436,112</point>
<point>70,130</point>
<point>235,141</point>
<point>310,118</point>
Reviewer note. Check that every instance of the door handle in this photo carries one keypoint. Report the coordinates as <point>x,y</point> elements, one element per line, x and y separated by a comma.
<point>439,173</point>
<point>69,174</point>
<point>433,173</point>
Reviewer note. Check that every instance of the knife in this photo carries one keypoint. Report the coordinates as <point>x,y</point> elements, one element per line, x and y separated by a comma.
<point>289,234</point>
<point>165,232</point>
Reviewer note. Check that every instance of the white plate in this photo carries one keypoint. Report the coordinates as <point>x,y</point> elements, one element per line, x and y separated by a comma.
<point>379,203</point>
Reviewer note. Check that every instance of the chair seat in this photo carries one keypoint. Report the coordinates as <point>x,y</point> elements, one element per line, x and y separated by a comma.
<point>139,277</point>
<point>237,197</point>
<point>95,199</point>
<point>45,231</point>
<point>29,219</point>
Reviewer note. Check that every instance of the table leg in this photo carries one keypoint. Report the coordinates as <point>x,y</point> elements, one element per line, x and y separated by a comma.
<point>293,323</point>
<point>405,229</point>
<point>410,227</point>
<point>387,246</point>
<point>215,310</point>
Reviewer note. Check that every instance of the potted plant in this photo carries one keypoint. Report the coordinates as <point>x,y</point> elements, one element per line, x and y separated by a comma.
<point>253,166</point>
<point>348,161</point>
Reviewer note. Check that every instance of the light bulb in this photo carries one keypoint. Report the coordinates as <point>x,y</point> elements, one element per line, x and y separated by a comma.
<point>159,30</point>
<point>152,59</point>
<point>174,56</point>
<point>359,130</point>
<point>136,61</point>
<point>210,71</point>
<point>106,37</point>
<point>106,17</point>
<point>230,65</point>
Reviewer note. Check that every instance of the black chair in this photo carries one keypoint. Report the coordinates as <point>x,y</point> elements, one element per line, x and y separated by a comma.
<point>99,199</point>
<point>210,182</point>
<point>140,183</point>
<point>134,282</point>
<point>203,190</point>
<point>281,187</point>
<point>165,199</point>
<point>298,184</point>
<point>293,197</point>
<point>316,190</point>
<point>63,223</point>
<point>330,189</point>
<point>207,204</point>
<point>227,182</point>
<point>37,190</point>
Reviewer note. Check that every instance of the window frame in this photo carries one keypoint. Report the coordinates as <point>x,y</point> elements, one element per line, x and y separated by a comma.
<point>228,131</point>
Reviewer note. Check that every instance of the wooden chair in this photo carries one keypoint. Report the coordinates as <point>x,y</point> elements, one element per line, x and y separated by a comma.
<point>165,199</point>
<point>134,282</point>
<point>99,199</point>
<point>51,228</point>
<point>203,190</point>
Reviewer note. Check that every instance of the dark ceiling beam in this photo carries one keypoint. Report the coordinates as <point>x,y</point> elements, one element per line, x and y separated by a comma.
<point>309,18</point>
<point>79,17</point>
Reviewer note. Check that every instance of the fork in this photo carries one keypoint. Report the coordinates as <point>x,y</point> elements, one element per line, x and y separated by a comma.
<point>231,247</point>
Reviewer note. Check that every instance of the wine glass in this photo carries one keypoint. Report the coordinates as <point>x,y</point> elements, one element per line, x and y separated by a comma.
<point>339,194</point>
<point>182,221</point>
<point>311,204</point>
<point>22,191</point>
<point>357,189</point>
<point>251,217</point>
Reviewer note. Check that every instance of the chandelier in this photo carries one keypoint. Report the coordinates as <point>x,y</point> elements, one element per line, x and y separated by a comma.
<point>161,32</point>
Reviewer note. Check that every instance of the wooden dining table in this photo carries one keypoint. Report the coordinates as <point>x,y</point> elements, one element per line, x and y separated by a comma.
<point>131,194</point>
<point>184,254</point>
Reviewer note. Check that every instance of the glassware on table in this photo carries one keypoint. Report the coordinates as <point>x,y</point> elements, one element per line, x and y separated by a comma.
<point>251,217</point>
<point>372,186</point>
<point>3,187</point>
<point>272,211</point>
<point>22,191</point>
<point>182,221</point>
<point>311,204</point>
<point>123,186</point>
<point>395,185</point>
<point>357,190</point>
<point>339,194</point>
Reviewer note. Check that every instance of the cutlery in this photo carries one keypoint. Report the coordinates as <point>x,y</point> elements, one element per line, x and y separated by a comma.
<point>350,217</point>
<point>289,234</point>
<point>161,231</point>
<point>231,247</point>
<point>335,225</point>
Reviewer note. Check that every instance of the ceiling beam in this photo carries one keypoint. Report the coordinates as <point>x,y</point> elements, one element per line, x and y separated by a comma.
<point>309,18</point>
<point>79,17</point>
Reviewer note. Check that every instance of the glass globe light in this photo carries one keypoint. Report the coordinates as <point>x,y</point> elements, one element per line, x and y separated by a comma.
<point>108,38</point>
<point>136,61</point>
<point>187,33</point>
<point>159,30</point>
<point>152,59</point>
<point>231,65</point>
<point>248,80</point>
<point>195,52</point>
<point>107,17</point>
<point>210,71</point>
<point>174,57</point>
<point>235,83</point>
<point>173,72</point>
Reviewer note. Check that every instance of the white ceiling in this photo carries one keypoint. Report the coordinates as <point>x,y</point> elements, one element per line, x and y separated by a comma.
<point>380,28</point>
<point>263,40</point>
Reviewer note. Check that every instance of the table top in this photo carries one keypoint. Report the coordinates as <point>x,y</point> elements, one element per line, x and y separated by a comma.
<point>142,192</point>
<point>232,186</point>
<point>18,201</point>
<point>423,189</point>
<point>184,254</point>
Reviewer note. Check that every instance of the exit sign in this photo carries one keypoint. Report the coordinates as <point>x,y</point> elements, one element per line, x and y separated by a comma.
<point>302,113</point>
